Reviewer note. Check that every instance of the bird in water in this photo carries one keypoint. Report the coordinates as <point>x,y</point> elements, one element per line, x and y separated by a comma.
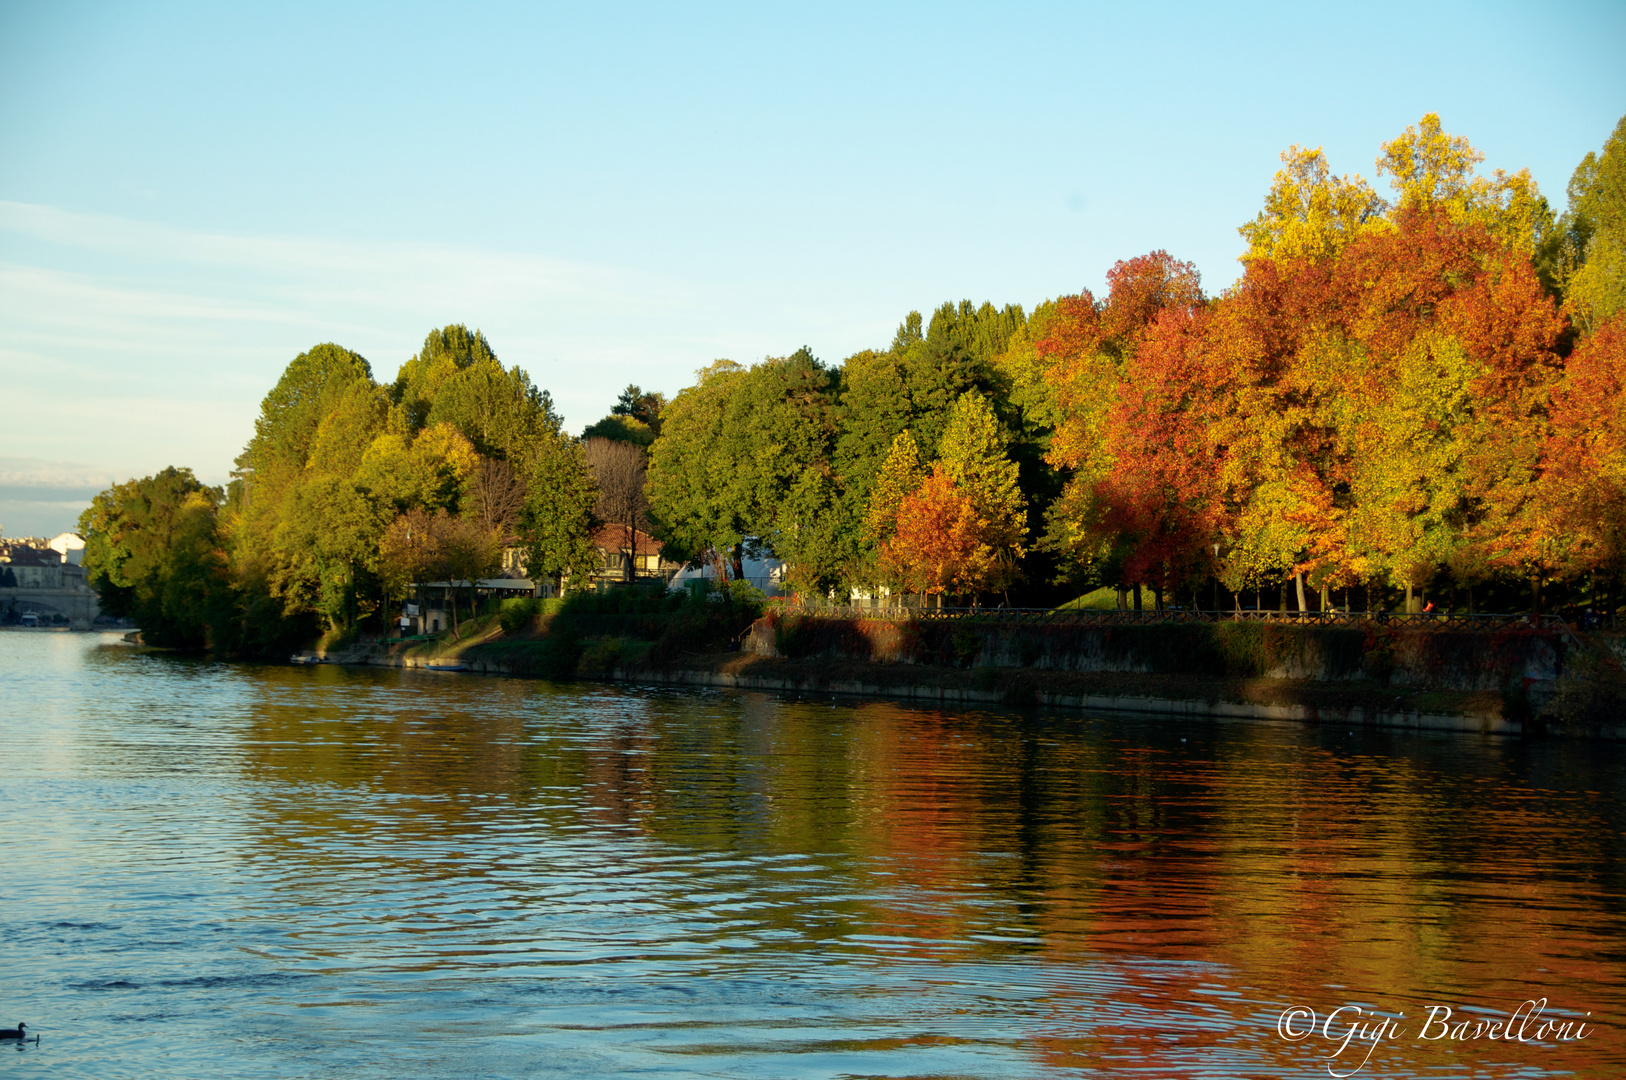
<point>14,1033</point>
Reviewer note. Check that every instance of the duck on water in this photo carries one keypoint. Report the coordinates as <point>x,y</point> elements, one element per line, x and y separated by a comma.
<point>17,1033</point>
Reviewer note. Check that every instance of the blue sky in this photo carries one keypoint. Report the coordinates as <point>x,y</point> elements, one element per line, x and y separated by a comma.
<point>192,194</point>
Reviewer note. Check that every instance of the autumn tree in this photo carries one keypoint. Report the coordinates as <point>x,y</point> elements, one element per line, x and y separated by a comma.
<point>1584,478</point>
<point>1433,171</point>
<point>1310,213</point>
<point>974,456</point>
<point>1113,423</point>
<point>901,475</point>
<point>938,548</point>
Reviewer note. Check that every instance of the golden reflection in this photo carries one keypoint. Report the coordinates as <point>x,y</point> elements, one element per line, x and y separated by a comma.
<point>1139,880</point>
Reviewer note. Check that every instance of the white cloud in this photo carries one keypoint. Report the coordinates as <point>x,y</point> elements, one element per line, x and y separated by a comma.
<point>138,345</point>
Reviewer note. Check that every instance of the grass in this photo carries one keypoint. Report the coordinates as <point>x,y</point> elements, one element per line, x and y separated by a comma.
<point>1102,599</point>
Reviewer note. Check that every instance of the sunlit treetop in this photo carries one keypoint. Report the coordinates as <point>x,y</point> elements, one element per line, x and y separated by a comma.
<point>1309,212</point>
<point>1430,169</point>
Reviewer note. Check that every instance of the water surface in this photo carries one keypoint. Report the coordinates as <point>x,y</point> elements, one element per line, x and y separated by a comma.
<point>214,870</point>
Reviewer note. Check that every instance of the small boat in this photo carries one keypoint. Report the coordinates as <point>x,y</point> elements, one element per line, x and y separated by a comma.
<point>446,665</point>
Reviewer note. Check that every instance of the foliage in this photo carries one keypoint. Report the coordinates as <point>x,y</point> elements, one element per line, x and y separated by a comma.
<point>557,520</point>
<point>733,450</point>
<point>1411,394</point>
<point>939,546</point>
<point>640,408</point>
<point>153,555</point>
<point>1309,212</point>
<point>1596,226</point>
<point>901,475</point>
<point>621,429</point>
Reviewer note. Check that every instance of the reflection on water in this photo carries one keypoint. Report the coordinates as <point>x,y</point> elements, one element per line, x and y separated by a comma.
<point>217,870</point>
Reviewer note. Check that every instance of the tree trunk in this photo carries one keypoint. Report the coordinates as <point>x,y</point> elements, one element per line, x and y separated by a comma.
<point>1470,598</point>
<point>1411,604</point>
<point>739,562</point>
<point>1123,598</point>
<point>1137,596</point>
<point>1157,599</point>
<point>1298,585</point>
<point>1535,594</point>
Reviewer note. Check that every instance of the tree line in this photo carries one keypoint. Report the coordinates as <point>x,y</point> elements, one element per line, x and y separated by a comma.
<point>1401,397</point>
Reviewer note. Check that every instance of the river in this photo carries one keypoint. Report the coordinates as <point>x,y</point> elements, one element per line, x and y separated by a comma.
<point>220,870</point>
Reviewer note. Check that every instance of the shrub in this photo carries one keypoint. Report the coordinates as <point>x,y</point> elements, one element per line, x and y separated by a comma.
<point>516,615</point>
<point>599,655</point>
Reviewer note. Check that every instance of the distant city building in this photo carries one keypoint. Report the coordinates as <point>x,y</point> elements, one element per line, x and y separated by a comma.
<point>70,546</point>
<point>42,583</point>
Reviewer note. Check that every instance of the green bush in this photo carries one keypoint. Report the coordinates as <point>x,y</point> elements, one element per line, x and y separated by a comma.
<point>747,598</point>
<point>967,644</point>
<point>516,615</point>
<point>599,655</point>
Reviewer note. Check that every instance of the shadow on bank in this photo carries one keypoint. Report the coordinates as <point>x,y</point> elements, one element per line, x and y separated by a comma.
<point>1512,678</point>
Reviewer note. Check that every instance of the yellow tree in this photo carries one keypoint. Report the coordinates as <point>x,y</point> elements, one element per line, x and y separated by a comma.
<point>1309,212</point>
<point>901,475</point>
<point>973,455</point>
<point>1432,170</point>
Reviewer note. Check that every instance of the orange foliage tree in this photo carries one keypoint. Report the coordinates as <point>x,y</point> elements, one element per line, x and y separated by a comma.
<point>939,547</point>
<point>1584,479</point>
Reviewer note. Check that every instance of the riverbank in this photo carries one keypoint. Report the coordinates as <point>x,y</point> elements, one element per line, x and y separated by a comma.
<point>1353,703</point>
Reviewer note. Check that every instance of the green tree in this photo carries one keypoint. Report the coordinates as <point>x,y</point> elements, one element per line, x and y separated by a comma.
<point>621,429</point>
<point>779,424</point>
<point>1597,223</point>
<point>733,447</point>
<point>153,554</point>
<point>981,332</point>
<point>557,523</point>
<point>315,428</point>
<point>644,408</point>
<point>445,353</point>
<point>873,408</point>
<point>816,534</point>
<point>689,484</point>
<point>457,379</point>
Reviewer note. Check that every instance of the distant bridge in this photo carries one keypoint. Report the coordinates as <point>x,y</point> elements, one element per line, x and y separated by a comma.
<point>78,606</point>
